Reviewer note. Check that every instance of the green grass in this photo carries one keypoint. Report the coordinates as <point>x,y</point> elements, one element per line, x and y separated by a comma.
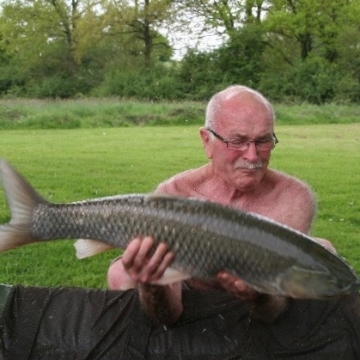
<point>315,114</point>
<point>70,165</point>
<point>95,113</point>
<point>115,112</point>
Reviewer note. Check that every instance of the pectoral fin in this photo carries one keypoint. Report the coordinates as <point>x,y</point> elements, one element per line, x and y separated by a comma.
<point>86,247</point>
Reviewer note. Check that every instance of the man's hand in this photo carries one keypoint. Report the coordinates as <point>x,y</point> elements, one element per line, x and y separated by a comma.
<point>139,264</point>
<point>236,286</point>
<point>143,264</point>
<point>266,308</point>
<point>326,243</point>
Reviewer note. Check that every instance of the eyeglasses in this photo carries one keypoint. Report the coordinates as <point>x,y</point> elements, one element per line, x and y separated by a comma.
<point>243,144</point>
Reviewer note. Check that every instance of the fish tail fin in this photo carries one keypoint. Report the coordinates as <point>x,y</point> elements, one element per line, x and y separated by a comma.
<point>22,199</point>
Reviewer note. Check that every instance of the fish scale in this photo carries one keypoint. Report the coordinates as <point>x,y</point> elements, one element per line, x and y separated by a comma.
<point>205,237</point>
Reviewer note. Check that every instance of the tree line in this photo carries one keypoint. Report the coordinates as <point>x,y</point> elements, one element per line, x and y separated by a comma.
<point>291,50</point>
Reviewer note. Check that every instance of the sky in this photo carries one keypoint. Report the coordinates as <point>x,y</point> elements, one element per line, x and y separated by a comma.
<point>193,37</point>
<point>182,42</point>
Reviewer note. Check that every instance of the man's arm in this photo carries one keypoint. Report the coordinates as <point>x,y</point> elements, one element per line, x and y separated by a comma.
<point>140,267</point>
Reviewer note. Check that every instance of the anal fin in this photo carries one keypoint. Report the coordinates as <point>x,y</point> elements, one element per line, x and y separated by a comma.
<point>172,275</point>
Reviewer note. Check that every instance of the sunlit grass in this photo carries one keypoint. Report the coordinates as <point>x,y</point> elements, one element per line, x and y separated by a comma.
<point>95,113</point>
<point>70,165</point>
<point>118,112</point>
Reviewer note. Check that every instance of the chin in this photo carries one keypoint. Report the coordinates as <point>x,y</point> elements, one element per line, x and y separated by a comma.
<point>248,183</point>
<point>246,186</point>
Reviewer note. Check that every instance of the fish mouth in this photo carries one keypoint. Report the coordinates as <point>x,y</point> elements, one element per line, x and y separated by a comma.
<point>351,288</point>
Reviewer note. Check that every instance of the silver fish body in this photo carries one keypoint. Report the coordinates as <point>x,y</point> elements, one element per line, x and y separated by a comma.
<point>205,237</point>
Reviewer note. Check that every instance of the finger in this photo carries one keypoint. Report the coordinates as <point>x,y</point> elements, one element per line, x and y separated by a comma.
<point>240,286</point>
<point>141,257</point>
<point>166,262</point>
<point>326,243</point>
<point>226,279</point>
<point>236,286</point>
<point>157,258</point>
<point>130,253</point>
<point>157,265</point>
<point>118,278</point>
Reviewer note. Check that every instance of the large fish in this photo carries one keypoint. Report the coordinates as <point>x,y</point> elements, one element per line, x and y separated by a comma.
<point>205,237</point>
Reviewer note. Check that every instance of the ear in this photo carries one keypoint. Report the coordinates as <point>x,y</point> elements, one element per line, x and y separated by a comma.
<point>207,142</point>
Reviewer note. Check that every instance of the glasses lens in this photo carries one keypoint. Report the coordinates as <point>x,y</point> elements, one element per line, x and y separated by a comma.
<point>265,145</point>
<point>243,145</point>
<point>238,146</point>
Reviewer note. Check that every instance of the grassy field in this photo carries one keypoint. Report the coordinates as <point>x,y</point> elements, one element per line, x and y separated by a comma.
<point>115,112</point>
<point>69,165</point>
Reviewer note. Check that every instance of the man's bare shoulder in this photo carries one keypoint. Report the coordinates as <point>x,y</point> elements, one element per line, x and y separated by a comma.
<point>290,184</point>
<point>186,183</point>
<point>294,199</point>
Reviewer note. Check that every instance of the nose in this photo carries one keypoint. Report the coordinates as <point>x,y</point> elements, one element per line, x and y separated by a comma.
<point>250,154</point>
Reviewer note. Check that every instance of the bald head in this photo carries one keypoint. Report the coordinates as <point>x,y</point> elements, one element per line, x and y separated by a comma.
<point>239,94</point>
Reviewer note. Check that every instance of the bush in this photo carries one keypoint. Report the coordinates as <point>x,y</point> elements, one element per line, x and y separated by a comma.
<point>155,84</point>
<point>10,81</point>
<point>313,80</point>
<point>58,87</point>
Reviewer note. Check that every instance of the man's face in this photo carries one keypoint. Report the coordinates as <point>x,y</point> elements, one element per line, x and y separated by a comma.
<point>240,119</point>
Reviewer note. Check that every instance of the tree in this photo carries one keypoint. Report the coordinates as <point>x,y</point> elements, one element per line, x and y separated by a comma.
<point>67,41</point>
<point>138,22</point>
<point>37,26</point>
<point>313,25</point>
<point>227,16</point>
<point>241,58</point>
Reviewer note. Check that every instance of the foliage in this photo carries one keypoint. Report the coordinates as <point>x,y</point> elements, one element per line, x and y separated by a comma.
<point>292,51</point>
<point>242,57</point>
<point>139,82</point>
<point>63,41</point>
<point>199,75</point>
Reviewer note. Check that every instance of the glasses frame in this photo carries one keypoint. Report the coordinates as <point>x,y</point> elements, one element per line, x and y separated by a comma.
<point>227,142</point>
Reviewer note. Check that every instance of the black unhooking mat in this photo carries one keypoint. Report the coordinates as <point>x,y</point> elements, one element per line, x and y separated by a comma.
<point>74,323</point>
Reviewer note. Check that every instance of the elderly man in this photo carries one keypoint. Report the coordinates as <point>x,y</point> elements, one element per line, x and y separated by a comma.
<point>238,138</point>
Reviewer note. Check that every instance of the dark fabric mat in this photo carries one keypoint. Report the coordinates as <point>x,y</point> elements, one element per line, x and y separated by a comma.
<point>74,323</point>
